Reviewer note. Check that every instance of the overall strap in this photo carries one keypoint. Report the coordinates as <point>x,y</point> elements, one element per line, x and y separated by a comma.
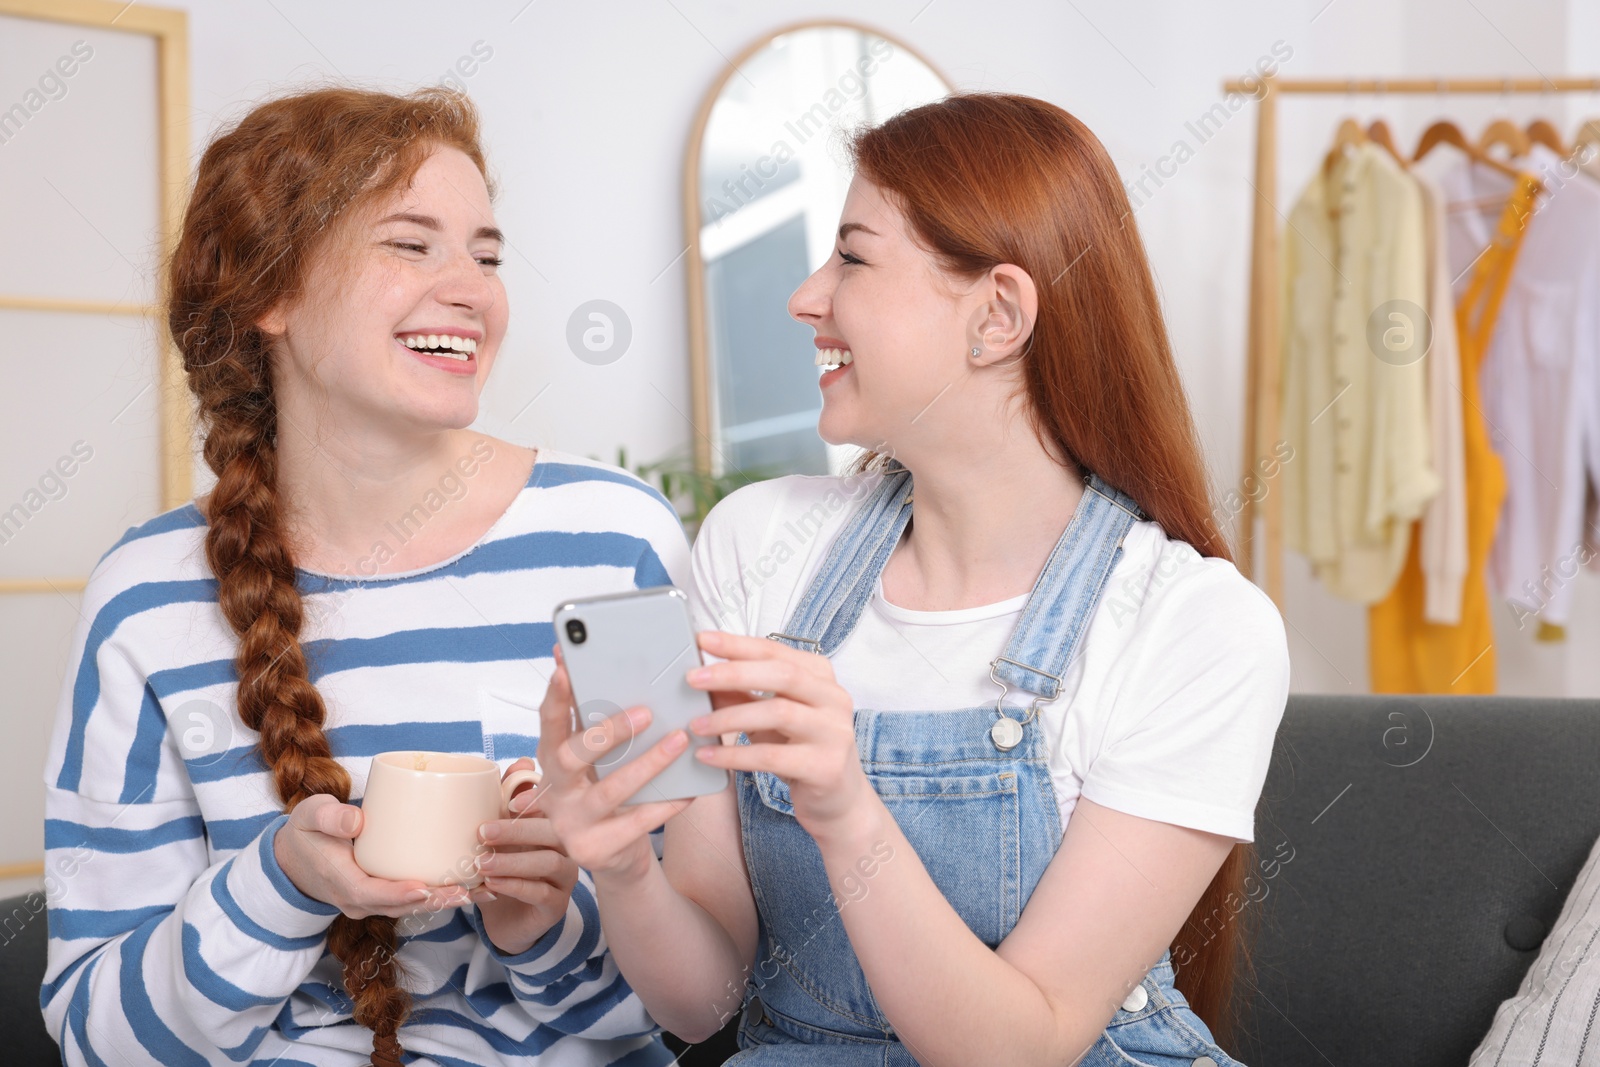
<point>833,602</point>
<point>1064,598</point>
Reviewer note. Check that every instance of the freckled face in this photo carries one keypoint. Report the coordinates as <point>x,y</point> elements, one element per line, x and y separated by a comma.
<point>420,267</point>
<point>881,299</point>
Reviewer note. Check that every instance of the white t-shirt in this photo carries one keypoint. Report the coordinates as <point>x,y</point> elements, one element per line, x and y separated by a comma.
<point>1167,711</point>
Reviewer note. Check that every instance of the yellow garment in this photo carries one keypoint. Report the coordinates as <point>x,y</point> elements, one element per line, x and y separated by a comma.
<point>1406,653</point>
<point>1354,413</point>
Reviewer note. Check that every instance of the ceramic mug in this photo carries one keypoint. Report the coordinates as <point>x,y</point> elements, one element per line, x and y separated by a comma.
<point>421,813</point>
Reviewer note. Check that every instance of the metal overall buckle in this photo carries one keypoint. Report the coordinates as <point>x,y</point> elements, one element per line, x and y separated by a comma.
<point>762,694</point>
<point>1006,733</point>
<point>792,637</point>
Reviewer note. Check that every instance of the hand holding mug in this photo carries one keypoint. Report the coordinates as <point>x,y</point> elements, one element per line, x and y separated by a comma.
<point>414,841</point>
<point>314,849</point>
<point>422,811</point>
<point>449,819</point>
<point>526,870</point>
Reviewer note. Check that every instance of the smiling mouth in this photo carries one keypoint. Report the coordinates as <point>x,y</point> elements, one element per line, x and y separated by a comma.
<point>833,358</point>
<point>449,346</point>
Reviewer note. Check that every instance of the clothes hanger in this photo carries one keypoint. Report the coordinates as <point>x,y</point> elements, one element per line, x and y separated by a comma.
<point>1349,135</point>
<point>1541,132</point>
<point>1378,133</point>
<point>1507,133</point>
<point>1447,132</point>
<point>1588,136</point>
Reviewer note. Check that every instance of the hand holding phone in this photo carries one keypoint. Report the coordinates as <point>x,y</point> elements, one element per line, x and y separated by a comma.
<point>634,648</point>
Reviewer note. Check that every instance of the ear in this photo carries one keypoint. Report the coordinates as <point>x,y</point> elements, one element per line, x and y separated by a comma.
<point>1002,325</point>
<point>274,323</point>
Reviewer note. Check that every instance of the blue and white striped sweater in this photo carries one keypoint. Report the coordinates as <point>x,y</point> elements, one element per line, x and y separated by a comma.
<point>176,939</point>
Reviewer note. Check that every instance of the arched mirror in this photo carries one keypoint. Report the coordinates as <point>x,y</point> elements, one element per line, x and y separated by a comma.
<point>764,182</point>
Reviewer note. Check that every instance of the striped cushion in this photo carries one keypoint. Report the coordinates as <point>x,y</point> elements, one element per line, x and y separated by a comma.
<point>1551,1020</point>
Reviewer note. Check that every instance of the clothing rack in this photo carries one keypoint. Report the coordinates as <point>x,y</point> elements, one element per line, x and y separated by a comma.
<point>1263,358</point>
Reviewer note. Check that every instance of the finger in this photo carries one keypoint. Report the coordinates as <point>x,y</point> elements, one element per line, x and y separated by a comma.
<point>776,720</point>
<point>528,831</point>
<point>627,826</point>
<point>566,877</point>
<point>528,803</point>
<point>527,790</point>
<point>782,677</point>
<point>380,896</point>
<point>640,819</point>
<point>618,785</point>
<point>744,647</point>
<point>538,863</point>
<point>324,813</point>
<point>787,761</point>
<point>529,891</point>
<point>521,763</point>
<point>598,741</point>
<point>555,711</point>
<point>437,898</point>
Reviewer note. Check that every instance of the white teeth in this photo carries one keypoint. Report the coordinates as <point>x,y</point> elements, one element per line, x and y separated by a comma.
<point>453,346</point>
<point>834,357</point>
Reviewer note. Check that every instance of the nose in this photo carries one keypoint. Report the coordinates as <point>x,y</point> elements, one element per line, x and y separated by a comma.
<point>463,284</point>
<point>813,301</point>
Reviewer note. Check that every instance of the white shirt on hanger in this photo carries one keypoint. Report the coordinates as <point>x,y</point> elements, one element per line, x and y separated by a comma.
<point>1540,376</point>
<point>1591,521</point>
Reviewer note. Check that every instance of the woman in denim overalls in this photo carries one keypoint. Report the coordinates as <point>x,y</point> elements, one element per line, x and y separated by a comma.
<point>907,891</point>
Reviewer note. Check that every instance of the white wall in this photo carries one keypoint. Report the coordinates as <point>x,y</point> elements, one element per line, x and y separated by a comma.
<point>588,107</point>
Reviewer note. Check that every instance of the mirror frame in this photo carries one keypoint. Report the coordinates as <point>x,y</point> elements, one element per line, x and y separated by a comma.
<point>695,287</point>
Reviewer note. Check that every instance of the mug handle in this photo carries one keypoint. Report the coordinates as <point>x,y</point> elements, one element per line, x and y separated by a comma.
<point>511,784</point>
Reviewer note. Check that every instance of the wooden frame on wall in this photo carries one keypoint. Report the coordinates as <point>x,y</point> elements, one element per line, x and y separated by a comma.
<point>170,28</point>
<point>695,287</point>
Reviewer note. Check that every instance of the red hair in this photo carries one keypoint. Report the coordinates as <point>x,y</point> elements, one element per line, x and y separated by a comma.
<point>988,178</point>
<point>271,192</point>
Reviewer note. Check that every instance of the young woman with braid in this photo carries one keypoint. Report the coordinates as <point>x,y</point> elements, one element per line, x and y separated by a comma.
<point>367,574</point>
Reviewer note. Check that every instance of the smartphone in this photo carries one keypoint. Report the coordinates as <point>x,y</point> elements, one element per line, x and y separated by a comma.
<point>631,648</point>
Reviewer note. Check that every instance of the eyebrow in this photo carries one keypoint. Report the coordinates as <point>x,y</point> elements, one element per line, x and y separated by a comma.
<point>851,227</point>
<point>428,222</point>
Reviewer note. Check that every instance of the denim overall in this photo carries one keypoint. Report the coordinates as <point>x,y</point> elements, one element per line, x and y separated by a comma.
<point>982,817</point>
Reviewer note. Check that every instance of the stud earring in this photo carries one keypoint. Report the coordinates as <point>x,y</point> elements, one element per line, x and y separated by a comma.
<point>975,351</point>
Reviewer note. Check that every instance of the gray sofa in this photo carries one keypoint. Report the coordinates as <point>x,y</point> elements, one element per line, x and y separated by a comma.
<point>1416,850</point>
<point>1415,903</point>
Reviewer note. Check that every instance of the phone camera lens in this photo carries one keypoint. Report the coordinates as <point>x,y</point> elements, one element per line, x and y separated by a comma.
<point>576,632</point>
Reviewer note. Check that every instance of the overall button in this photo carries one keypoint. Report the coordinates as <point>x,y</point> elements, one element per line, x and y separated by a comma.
<point>1138,999</point>
<point>1205,1061</point>
<point>753,1009</point>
